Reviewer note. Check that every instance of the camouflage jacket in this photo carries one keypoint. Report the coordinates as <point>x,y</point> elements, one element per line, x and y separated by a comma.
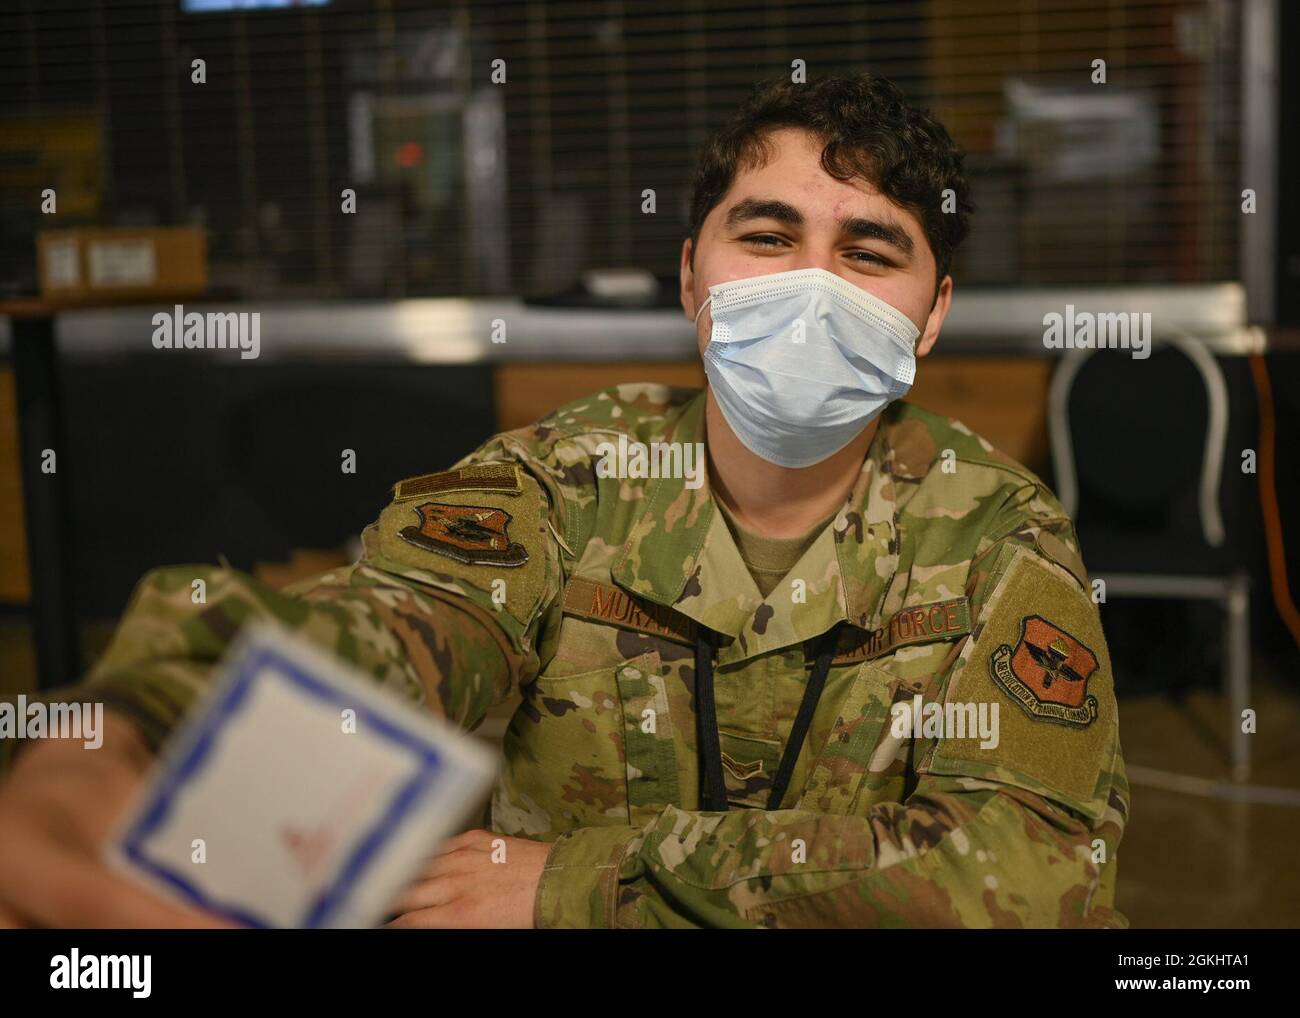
<point>523,570</point>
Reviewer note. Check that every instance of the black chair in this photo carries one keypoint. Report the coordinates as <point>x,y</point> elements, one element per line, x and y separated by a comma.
<point>1138,451</point>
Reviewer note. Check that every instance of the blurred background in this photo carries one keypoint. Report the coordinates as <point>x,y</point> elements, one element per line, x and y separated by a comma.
<point>383,180</point>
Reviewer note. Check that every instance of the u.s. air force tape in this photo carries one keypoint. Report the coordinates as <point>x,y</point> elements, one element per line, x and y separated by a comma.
<point>921,623</point>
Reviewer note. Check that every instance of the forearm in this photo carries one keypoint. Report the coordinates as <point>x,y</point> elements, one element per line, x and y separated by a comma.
<point>182,619</point>
<point>974,858</point>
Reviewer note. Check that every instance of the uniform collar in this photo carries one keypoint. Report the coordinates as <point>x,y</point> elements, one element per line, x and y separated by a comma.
<point>681,554</point>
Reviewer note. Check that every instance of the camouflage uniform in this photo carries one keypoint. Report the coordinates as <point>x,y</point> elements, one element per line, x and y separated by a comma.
<point>956,576</point>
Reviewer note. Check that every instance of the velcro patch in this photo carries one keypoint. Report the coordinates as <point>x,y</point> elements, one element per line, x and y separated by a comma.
<point>471,537</point>
<point>501,477</point>
<point>1047,673</point>
<point>473,534</point>
<point>599,601</point>
<point>1039,653</point>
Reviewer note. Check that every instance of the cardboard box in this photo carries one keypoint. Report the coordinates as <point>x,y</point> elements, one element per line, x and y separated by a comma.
<point>122,263</point>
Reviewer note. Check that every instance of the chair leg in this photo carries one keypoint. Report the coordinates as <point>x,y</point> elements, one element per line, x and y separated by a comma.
<point>1236,666</point>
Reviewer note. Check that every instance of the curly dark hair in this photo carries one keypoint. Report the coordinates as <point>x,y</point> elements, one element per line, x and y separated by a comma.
<point>870,131</point>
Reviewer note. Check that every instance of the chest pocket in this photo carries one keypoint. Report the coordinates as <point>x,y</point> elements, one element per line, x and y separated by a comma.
<point>749,766</point>
<point>586,750</point>
<point>861,762</point>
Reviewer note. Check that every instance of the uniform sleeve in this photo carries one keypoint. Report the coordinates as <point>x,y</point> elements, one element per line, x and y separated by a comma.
<point>445,606</point>
<point>1023,833</point>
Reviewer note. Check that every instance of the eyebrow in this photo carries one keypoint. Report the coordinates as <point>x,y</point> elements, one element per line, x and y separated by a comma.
<point>855,226</point>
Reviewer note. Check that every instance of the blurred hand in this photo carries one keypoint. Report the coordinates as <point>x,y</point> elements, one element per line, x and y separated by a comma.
<point>57,807</point>
<point>463,887</point>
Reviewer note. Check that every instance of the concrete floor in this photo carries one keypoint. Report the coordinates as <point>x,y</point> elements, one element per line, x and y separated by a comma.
<point>1186,861</point>
<point>1195,861</point>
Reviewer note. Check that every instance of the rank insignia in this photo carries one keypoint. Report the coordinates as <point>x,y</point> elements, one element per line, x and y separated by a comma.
<point>475,535</point>
<point>1047,673</point>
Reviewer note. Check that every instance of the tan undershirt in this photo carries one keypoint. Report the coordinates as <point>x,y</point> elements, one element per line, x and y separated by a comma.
<point>769,559</point>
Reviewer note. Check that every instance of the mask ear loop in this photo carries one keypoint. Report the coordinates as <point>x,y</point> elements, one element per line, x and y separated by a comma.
<point>702,307</point>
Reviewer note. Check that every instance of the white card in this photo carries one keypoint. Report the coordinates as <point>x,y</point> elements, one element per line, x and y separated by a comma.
<point>311,797</point>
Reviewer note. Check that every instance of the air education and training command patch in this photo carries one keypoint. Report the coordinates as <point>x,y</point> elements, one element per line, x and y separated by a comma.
<point>1047,673</point>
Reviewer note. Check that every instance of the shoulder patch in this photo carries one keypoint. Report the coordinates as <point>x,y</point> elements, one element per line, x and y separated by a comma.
<point>483,535</point>
<point>1039,654</point>
<point>1047,673</point>
<point>474,534</point>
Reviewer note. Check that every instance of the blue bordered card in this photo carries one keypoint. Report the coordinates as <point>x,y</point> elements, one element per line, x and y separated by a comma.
<point>297,793</point>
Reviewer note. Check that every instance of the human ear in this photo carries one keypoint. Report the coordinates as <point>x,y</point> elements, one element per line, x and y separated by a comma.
<point>930,334</point>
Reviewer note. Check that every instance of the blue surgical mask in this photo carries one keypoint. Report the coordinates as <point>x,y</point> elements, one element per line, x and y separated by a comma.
<point>801,362</point>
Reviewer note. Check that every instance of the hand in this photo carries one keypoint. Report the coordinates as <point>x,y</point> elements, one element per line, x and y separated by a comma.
<point>463,887</point>
<point>56,809</point>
